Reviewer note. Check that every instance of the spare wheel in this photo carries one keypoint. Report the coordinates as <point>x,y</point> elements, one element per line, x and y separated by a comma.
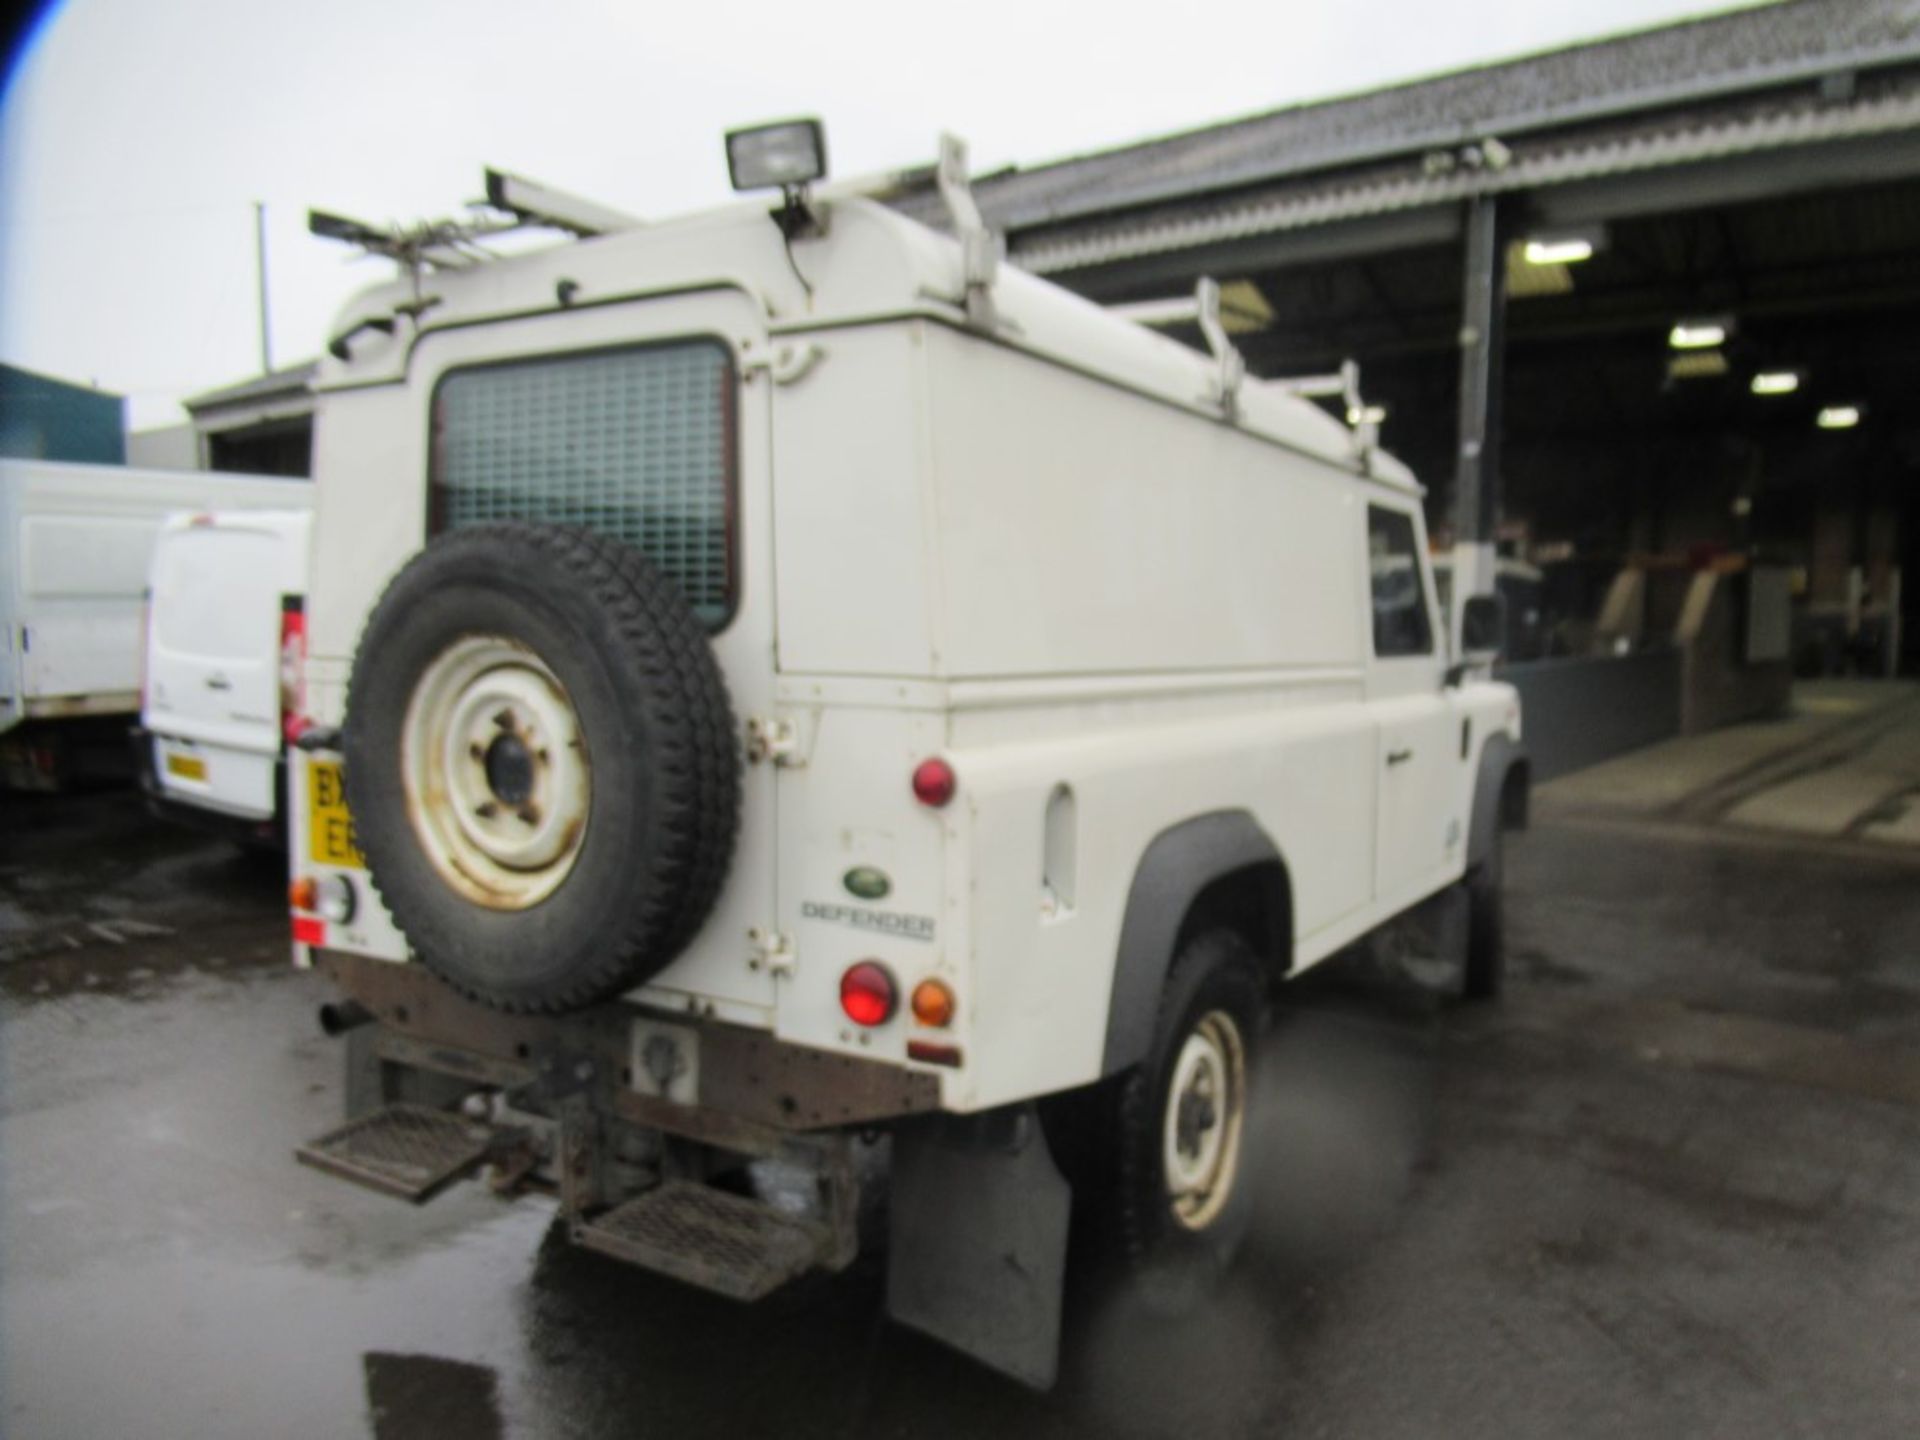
<point>540,763</point>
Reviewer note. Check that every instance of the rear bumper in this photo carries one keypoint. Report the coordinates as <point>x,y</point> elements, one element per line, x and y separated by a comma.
<point>269,832</point>
<point>750,1086</point>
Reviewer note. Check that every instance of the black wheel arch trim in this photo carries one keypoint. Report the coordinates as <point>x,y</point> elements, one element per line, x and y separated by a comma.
<point>1500,758</point>
<point>1179,864</point>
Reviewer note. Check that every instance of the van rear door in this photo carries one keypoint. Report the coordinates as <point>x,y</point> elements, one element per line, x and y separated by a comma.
<point>213,676</point>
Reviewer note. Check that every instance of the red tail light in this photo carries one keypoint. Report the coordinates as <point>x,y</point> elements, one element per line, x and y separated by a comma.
<point>867,993</point>
<point>934,783</point>
<point>293,666</point>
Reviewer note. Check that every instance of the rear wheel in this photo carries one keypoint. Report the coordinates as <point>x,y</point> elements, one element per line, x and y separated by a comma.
<point>1183,1196</point>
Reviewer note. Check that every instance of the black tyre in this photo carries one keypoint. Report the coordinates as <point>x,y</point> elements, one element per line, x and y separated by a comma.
<point>1486,973</point>
<point>1184,1192</point>
<point>541,764</point>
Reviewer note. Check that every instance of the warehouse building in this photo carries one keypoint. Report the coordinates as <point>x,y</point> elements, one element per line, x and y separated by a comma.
<point>42,418</point>
<point>1641,309</point>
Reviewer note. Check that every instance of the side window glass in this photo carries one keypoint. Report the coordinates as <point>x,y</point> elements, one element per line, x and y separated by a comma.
<point>1400,623</point>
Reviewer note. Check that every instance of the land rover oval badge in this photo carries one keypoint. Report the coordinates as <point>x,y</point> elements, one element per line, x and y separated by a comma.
<point>864,882</point>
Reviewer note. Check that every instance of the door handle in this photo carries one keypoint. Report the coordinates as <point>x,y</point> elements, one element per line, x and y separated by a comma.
<point>219,682</point>
<point>1399,757</point>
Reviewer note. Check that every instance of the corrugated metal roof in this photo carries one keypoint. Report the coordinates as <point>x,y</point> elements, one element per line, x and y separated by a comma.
<point>1534,165</point>
<point>1697,60</point>
<point>290,380</point>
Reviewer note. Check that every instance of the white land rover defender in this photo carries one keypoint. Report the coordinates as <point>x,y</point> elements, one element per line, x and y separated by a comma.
<point>796,679</point>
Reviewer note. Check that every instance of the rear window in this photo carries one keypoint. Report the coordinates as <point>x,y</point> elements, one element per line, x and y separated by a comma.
<point>635,444</point>
<point>216,593</point>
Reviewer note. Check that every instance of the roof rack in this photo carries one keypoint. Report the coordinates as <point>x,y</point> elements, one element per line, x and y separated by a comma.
<point>455,244</point>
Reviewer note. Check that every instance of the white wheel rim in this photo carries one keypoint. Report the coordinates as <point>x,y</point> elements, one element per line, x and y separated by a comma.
<point>1205,1112</point>
<point>496,772</point>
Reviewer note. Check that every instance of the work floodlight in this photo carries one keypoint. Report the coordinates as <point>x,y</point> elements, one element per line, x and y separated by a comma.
<point>786,154</point>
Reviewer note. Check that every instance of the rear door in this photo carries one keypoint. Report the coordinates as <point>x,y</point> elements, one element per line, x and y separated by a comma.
<point>213,654</point>
<point>642,421</point>
<point>1418,834</point>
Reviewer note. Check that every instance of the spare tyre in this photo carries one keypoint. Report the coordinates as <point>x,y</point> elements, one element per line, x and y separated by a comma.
<point>540,764</point>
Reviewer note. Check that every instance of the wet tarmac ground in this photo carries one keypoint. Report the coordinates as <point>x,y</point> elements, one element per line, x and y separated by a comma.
<point>1671,1186</point>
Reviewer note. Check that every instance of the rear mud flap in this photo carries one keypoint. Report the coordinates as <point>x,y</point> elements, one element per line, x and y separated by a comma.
<point>979,1240</point>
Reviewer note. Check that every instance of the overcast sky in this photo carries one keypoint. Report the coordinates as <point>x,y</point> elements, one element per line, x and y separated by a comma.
<point>136,134</point>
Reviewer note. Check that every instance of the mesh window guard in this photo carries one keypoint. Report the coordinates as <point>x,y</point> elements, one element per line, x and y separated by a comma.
<point>635,444</point>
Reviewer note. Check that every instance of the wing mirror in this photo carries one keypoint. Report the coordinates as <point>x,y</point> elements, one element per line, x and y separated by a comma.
<point>1483,635</point>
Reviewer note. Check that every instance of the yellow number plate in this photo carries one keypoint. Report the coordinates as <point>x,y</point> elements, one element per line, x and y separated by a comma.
<point>329,827</point>
<point>187,767</point>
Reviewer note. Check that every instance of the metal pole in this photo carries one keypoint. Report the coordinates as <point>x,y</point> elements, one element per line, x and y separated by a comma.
<point>260,269</point>
<point>1476,493</point>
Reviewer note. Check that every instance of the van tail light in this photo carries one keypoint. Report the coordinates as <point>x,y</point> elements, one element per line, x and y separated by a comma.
<point>146,646</point>
<point>867,993</point>
<point>293,666</point>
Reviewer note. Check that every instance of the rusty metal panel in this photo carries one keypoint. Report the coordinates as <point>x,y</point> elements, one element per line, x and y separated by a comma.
<point>745,1075</point>
<point>745,1072</point>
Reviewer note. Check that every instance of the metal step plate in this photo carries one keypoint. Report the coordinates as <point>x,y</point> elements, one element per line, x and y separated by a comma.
<point>404,1150</point>
<point>721,1242</point>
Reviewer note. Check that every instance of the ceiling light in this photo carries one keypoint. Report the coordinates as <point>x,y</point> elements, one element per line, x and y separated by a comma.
<point>1702,334</point>
<point>1703,365</point>
<point>1243,309</point>
<point>1530,282</point>
<point>1569,251</point>
<point>1839,417</point>
<point>1776,382</point>
<point>1563,244</point>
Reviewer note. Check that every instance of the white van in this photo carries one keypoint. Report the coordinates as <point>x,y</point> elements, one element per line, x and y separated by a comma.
<point>225,631</point>
<point>75,541</point>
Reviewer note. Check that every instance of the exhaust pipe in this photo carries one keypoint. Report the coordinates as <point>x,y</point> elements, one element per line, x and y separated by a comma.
<point>337,1020</point>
